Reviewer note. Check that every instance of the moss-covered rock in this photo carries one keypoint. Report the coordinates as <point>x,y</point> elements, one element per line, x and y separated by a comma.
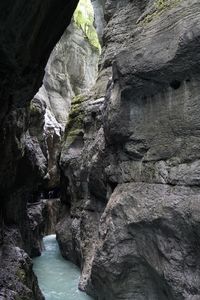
<point>75,125</point>
<point>84,18</point>
<point>78,99</point>
<point>21,274</point>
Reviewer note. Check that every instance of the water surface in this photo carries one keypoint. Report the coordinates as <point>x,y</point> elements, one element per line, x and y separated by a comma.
<point>58,279</point>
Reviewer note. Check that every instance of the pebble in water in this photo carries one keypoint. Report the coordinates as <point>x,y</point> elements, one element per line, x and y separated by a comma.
<point>58,279</point>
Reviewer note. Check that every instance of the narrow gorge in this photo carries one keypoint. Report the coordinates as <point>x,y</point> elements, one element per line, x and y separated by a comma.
<point>100,145</point>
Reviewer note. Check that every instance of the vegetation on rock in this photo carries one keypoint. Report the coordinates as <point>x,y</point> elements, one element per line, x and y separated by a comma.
<point>75,122</point>
<point>162,4</point>
<point>84,18</point>
<point>159,7</point>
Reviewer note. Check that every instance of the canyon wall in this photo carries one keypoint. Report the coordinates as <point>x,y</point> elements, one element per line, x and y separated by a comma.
<point>130,159</point>
<point>40,126</point>
<point>130,162</point>
<point>29,31</point>
<point>71,70</point>
<point>22,70</point>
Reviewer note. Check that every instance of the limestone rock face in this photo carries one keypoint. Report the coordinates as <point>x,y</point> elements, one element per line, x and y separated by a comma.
<point>99,21</point>
<point>131,183</point>
<point>71,70</point>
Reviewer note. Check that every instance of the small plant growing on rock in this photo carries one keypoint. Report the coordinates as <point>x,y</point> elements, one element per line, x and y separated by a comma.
<point>162,4</point>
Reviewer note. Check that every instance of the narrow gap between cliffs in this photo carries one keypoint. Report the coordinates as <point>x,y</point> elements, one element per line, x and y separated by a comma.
<point>70,74</point>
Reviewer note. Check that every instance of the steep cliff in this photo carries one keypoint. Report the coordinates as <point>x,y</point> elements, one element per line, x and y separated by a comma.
<point>130,163</point>
<point>22,69</point>
<point>63,82</point>
<point>29,31</point>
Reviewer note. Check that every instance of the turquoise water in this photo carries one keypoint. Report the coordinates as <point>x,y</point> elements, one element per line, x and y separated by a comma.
<point>58,279</point>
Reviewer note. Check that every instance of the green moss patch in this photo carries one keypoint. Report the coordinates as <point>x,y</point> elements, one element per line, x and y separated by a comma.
<point>75,125</point>
<point>163,4</point>
<point>21,274</point>
<point>78,99</point>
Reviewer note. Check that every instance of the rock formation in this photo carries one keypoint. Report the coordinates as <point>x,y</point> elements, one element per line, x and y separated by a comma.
<point>64,81</point>
<point>29,31</point>
<point>42,220</point>
<point>32,132</point>
<point>130,163</point>
<point>130,159</point>
<point>17,280</point>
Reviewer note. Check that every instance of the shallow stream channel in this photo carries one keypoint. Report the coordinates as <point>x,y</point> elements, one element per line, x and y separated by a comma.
<point>58,279</point>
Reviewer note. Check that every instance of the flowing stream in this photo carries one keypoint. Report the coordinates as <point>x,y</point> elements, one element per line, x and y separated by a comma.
<point>58,279</point>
